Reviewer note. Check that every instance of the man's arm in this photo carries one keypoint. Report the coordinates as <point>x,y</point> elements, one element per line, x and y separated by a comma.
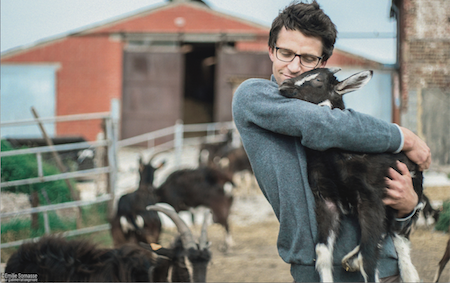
<point>416,149</point>
<point>400,193</point>
<point>257,104</point>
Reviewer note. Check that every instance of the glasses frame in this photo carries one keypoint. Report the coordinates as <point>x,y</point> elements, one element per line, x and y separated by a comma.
<point>299,57</point>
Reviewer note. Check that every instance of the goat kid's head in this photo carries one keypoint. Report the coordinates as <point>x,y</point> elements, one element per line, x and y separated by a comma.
<point>320,86</point>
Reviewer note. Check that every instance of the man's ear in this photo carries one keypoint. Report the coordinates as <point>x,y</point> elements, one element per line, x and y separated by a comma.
<point>271,55</point>
<point>323,64</point>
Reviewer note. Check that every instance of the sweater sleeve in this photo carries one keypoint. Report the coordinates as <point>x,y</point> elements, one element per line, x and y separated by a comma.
<point>257,103</point>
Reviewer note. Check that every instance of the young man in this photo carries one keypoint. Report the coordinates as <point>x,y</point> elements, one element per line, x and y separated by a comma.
<point>275,130</point>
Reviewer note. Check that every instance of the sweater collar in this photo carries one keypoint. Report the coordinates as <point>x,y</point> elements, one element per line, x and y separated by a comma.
<point>272,78</point>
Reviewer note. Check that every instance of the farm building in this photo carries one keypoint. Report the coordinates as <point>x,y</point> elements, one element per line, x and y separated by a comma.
<point>181,60</point>
<point>423,45</point>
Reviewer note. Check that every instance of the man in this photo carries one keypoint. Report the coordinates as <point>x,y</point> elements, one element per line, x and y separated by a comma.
<point>275,130</point>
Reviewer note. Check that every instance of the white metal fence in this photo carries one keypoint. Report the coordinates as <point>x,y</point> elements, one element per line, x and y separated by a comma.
<point>209,132</point>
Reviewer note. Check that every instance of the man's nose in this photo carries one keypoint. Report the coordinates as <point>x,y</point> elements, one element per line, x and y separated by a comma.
<point>294,66</point>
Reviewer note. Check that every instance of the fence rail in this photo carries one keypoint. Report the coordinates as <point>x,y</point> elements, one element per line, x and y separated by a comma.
<point>111,143</point>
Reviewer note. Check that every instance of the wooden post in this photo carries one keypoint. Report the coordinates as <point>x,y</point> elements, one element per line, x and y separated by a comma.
<point>59,163</point>
<point>109,179</point>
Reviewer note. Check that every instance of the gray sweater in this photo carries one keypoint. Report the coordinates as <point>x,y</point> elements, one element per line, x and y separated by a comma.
<point>274,131</point>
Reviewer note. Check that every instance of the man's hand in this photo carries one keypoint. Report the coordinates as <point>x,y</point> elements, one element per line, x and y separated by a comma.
<point>416,149</point>
<point>400,193</point>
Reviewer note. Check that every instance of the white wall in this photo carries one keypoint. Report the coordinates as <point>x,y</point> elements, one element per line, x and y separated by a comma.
<point>375,98</point>
<point>24,86</point>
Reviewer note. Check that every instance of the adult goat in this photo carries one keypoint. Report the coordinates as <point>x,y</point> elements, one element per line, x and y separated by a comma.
<point>133,222</point>
<point>204,186</point>
<point>343,181</point>
<point>55,259</point>
<point>185,247</point>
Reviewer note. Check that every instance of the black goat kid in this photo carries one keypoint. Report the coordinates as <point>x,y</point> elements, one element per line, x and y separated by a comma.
<point>344,181</point>
<point>133,223</point>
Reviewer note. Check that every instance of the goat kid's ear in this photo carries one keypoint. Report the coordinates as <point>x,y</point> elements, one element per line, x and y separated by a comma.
<point>353,82</point>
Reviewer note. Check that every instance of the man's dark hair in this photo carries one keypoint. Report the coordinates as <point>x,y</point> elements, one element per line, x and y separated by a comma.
<point>310,20</point>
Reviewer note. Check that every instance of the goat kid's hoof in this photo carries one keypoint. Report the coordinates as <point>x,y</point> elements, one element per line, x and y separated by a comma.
<point>352,264</point>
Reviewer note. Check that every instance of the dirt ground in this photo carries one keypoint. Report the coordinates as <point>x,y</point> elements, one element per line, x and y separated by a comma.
<point>254,257</point>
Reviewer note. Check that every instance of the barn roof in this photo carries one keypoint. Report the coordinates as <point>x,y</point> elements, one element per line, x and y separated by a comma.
<point>193,20</point>
<point>166,22</point>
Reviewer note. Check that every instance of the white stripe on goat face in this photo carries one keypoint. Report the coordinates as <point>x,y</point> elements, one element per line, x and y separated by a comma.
<point>326,103</point>
<point>306,79</point>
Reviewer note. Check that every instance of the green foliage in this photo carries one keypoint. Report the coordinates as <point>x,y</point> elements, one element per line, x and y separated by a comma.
<point>95,214</point>
<point>25,166</point>
<point>444,217</point>
<point>17,229</point>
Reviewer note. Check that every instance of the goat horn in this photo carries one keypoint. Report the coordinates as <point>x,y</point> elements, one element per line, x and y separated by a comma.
<point>183,229</point>
<point>203,242</point>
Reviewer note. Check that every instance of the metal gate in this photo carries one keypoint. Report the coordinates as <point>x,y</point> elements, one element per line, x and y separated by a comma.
<point>111,169</point>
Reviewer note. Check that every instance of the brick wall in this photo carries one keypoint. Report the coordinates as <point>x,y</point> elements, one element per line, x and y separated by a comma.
<point>425,45</point>
<point>425,72</point>
<point>89,76</point>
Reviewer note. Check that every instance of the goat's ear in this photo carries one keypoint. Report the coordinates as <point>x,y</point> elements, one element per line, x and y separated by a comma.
<point>353,82</point>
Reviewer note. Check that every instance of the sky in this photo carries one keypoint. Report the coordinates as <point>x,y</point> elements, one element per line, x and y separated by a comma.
<point>364,27</point>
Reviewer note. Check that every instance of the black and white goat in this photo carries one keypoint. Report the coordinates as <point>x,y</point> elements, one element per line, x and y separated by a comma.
<point>133,223</point>
<point>204,186</point>
<point>344,181</point>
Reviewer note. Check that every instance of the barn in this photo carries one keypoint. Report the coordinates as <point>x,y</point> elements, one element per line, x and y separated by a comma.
<point>180,60</point>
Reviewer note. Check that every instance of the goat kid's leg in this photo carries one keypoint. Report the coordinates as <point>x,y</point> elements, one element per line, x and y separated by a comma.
<point>352,261</point>
<point>408,272</point>
<point>328,220</point>
<point>371,217</point>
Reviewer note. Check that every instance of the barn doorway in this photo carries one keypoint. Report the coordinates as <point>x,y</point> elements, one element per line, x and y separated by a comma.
<point>200,63</point>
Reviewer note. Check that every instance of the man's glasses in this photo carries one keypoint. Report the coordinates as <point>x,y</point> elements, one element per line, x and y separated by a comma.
<point>286,55</point>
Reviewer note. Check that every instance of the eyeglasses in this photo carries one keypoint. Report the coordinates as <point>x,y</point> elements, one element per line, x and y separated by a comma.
<point>307,60</point>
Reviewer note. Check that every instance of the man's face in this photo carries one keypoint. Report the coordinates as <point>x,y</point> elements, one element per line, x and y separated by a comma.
<point>297,43</point>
